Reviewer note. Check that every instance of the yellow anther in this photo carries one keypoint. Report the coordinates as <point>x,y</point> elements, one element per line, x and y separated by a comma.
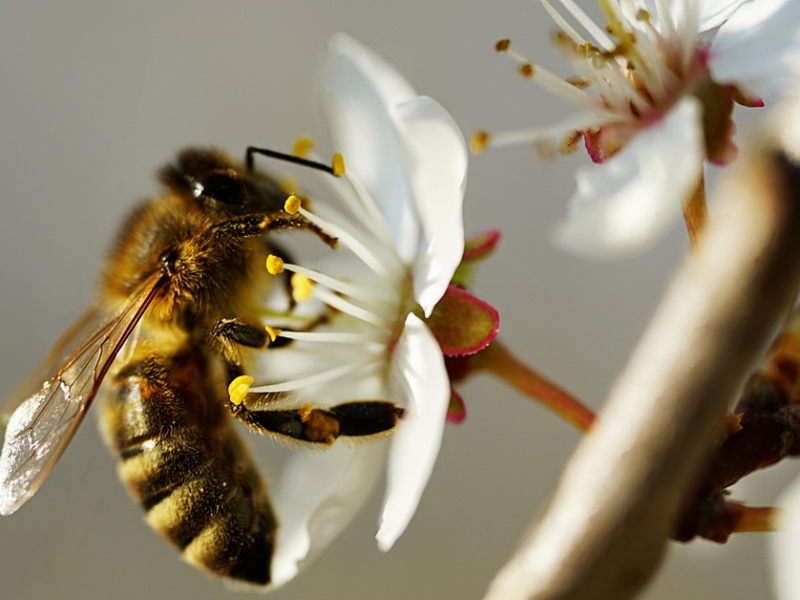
<point>274,264</point>
<point>643,15</point>
<point>304,412</point>
<point>273,332</point>
<point>302,287</point>
<point>302,147</point>
<point>570,142</point>
<point>337,164</point>
<point>579,82</point>
<point>479,141</point>
<point>527,70</point>
<point>239,388</point>
<point>292,204</point>
<point>502,45</point>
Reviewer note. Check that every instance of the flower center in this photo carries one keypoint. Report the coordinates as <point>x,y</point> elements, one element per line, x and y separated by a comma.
<point>365,295</point>
<point>629,74</point>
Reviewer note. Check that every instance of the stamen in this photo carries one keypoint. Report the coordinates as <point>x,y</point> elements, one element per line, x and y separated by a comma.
<point>302,147</point>
<point>579,82</point>
<point>502,45</point>
<point>554,84</point>
<point>570,142</point>
<point>691,20</point>
<point>376,216</point>
<point>578,123</point>
<point>337,164</point>
<point>368,294</point>
<point>479,141</point>
<point>273,332</point>
<point>346,238</point>
<point>302,287</point>
<point>239,388</point>
<point>335,337</point>
<point>562,23</point>
<point>665,19</point>
<point>275,264</point>
<point>348,308</point>
<point>316,378</point>
<point>586,22</point>
<point>292,204</point>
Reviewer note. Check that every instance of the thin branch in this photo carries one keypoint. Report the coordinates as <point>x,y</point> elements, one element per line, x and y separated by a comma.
<point>623,491</point>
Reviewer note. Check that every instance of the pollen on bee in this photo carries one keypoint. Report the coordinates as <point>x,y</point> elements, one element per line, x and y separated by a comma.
<point>239,388</point>
<point>302,287</point>
<point>292,204</point>
<point>303,147</point>
<point>273,332</point>
<point>337,164</point>
<point>274,264</point>
<point>304,412</point>
<point>479,141</point>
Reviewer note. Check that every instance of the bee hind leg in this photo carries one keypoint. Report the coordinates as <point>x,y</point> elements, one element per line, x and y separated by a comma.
<point>358,418</point>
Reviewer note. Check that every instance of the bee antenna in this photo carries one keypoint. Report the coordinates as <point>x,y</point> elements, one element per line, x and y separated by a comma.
<point>251,150</point>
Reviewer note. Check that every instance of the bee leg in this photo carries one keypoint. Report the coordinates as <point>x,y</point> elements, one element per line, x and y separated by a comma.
<point>230,335</point>
<point>254,225</point>
<point>323,426</point>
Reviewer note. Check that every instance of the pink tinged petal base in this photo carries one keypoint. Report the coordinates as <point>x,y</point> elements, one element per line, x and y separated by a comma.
<point>417,375</point>
<point>462,323</point>
<point>437,159</point>
<point>626,204</point>
<point>476,249</point>
<point>785,544</point>
<point>318,496</point>
<point>758,48</point>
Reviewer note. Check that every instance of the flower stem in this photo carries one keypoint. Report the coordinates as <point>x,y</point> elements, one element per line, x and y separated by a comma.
<point>756,519</point>
<point>498,360</point>
<point>695,212</point>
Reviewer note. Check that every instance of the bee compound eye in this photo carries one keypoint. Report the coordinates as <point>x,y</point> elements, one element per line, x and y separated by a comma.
<point>168,260</point>
<point>223,186</point>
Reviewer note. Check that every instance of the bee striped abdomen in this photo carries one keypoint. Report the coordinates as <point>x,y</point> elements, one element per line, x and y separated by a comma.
<point>181,458</point>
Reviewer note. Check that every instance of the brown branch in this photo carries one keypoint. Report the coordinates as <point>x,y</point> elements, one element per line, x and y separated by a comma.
<point>622,493</point>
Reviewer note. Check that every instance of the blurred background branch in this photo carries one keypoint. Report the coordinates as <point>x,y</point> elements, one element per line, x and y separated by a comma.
<point>623,491</point>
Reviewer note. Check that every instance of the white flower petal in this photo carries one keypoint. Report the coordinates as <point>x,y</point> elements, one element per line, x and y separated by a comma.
<point>714,13</point>
<point>437,156</point>
<point>758,47</point>
<point>785,544</point>
<point>360,93</point>
<point>317,497</point>
<point>418,375</point>
<point>624,205</point>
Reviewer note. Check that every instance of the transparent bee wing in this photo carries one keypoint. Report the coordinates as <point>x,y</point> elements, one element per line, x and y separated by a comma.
<point>46,411</point>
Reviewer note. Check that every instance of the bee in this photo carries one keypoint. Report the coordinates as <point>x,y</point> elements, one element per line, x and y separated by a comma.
<point>173,319</point>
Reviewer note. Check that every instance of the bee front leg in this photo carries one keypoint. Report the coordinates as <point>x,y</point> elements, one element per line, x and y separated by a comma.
<point>229,336</point>
<point>359,418</point>
<point>254,225</point>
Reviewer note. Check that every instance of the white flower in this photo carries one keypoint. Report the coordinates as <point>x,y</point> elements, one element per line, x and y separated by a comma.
<point>399,225</point>
<point>657,88</point>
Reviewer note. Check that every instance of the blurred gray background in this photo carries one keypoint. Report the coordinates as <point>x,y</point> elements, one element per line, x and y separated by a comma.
<point>94,95</point>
